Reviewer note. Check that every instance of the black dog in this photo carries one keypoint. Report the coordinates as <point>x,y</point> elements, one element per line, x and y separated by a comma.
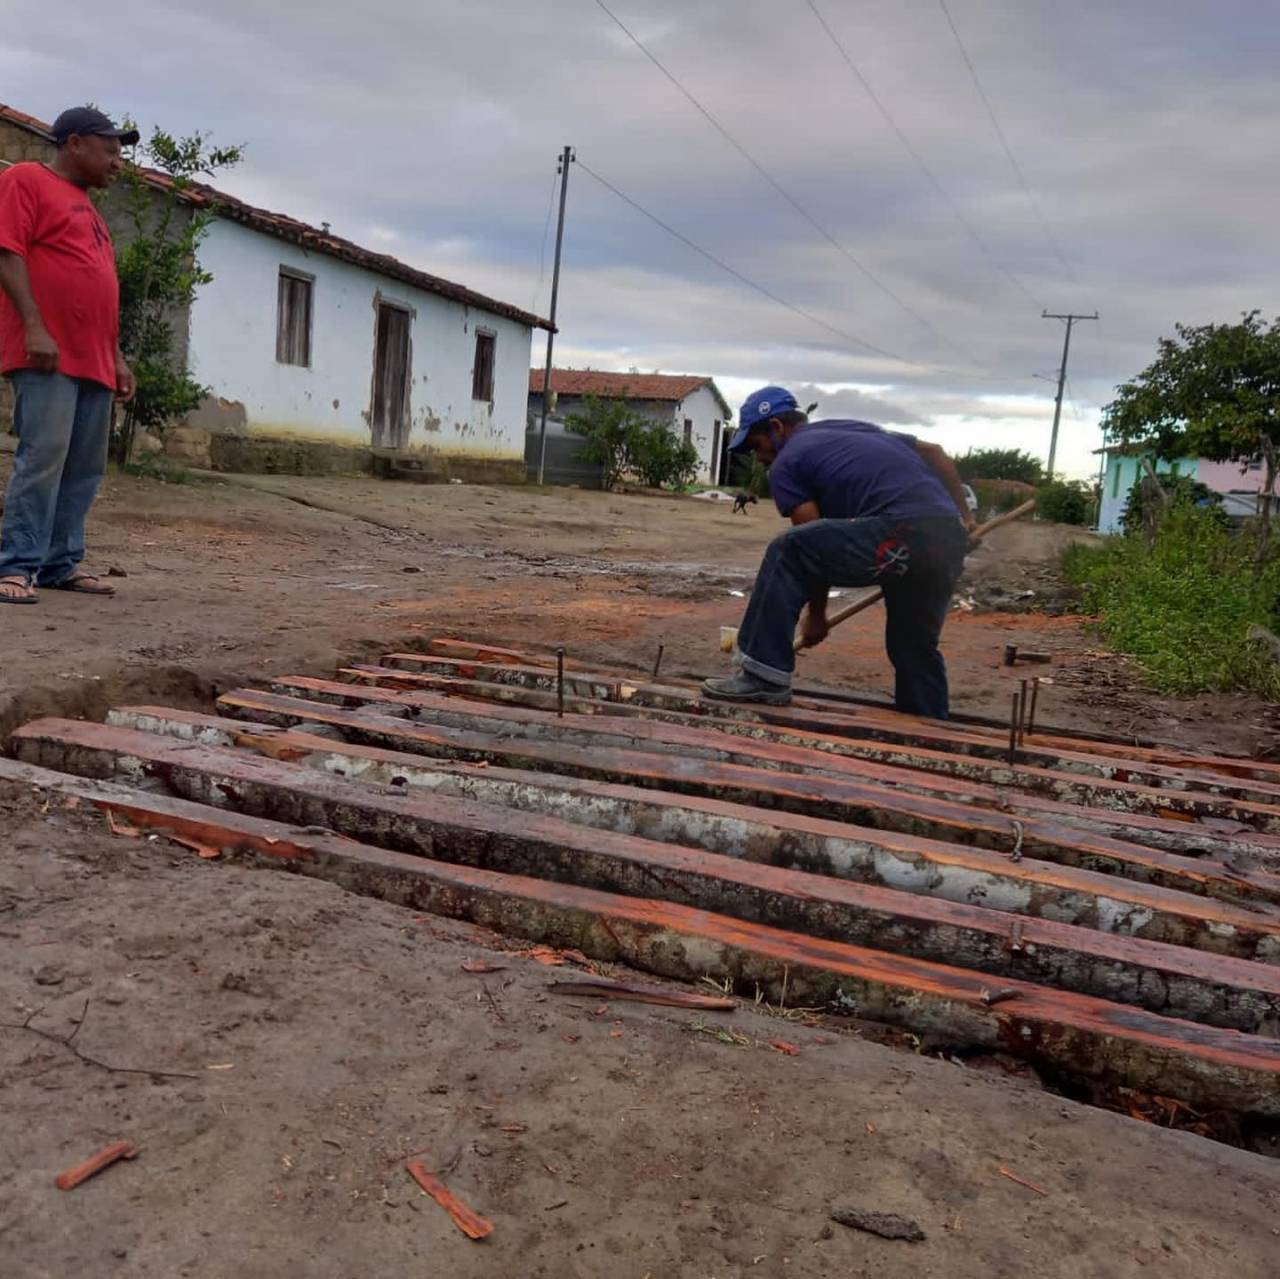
<point>741,501</point>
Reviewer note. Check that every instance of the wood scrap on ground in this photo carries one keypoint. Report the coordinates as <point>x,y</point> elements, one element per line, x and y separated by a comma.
<point>644,994</point>
<point>105,1157</point>
<point>471,1223</point>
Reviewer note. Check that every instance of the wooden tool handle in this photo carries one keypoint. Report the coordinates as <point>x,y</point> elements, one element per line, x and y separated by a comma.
<point>841,614</point>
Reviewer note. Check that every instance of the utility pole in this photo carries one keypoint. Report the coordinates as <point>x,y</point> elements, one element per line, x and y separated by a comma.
<point>566,159</point>
<point>1070,318</point>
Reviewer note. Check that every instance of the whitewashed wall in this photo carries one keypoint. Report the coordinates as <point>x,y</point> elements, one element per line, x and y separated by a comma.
<point>233,348</point>
<point>703,410</point>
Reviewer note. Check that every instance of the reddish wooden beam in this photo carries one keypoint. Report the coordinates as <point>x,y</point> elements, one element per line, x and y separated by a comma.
<point>1171,793</point>
<point>1093,838</point>
<point>1205,1066</point>
<point>931,867</point>
<point>1214,988</point>
<point>887,725</point>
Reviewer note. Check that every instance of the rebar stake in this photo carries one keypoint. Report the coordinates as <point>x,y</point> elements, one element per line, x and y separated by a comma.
<point>1031,714</point>
<point>560,682</point>
<point>1013,730</point>
<point>657,661</point>
<point>1022,714</point>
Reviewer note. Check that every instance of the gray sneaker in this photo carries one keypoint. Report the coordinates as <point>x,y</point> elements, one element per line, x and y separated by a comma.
<point>745,687</point>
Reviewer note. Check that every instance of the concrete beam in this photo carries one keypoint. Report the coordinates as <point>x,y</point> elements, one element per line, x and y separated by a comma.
<point>949,871</point>
<point>1206,1066</point>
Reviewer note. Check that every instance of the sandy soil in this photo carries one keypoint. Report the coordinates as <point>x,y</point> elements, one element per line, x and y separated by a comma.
<point>326,1036</point>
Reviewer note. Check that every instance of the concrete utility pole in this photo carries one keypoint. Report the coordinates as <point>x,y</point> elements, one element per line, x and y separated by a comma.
<point>566,159</point>
<point>1070,318</point>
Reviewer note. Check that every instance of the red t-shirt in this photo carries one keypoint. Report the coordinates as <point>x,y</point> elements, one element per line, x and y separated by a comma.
<point>53,225</point>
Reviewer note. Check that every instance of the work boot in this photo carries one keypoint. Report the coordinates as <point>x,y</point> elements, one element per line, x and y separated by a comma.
<point>745,687</point>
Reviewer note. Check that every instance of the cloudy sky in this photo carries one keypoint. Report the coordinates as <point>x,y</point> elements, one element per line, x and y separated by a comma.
<point>1139,179</point>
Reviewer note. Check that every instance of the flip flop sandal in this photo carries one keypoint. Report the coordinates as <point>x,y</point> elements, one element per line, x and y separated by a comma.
<point>16,599</point>
<point>80,585</point>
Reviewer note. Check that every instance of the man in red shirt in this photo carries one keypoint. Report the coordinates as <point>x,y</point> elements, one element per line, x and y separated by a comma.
<point>59,331</point>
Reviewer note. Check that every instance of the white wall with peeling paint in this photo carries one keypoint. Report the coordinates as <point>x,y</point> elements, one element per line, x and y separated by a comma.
<point>233,352</point>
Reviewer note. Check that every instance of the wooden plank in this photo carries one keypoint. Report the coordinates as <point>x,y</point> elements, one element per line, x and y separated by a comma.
<point>1206,1066</point>
<point>931,867</point>
<point>1213,988</point>
<point>889,725</point>
<point>1167,793</point>
<point>1092,838</point>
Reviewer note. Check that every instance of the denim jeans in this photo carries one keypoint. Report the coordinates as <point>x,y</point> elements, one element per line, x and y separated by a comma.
<point>915,562</point>
<point>63,425</point>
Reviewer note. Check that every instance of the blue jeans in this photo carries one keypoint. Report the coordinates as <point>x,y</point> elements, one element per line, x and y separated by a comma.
<point>63,426</point>
<point>915,562</point>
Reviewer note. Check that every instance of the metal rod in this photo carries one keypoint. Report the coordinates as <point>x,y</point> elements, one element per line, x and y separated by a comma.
<point>560,682</point>
<point>1013,730</point>
<point>1031,715</point>
<point>566,159</point>
<point>657,661</point>
<point>1022,713</point>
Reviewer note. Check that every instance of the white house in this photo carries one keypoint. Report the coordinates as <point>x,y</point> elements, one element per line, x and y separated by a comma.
<point>304,336</point>
<point>318,352</point>
<point>687,404</point>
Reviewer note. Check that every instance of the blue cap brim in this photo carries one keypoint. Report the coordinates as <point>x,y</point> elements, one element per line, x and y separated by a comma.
<point>739,441</point>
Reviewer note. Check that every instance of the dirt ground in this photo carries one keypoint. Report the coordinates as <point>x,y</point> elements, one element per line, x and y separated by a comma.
<point>319,1037</point>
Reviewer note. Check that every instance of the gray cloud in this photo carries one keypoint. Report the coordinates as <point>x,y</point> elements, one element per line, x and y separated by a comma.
<point>431,129</point>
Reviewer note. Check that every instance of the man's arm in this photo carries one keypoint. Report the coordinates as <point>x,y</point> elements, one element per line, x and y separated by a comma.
<point>42,350</point>
<point>126,386</point>
<point>945,469</point>
<point>814,628</point>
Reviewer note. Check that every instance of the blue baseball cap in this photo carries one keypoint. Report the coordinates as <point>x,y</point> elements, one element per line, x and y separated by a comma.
<point>759,407</point>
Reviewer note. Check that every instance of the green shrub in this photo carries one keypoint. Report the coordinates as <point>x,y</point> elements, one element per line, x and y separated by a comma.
<point>1181,602</point>
<point>1065,502</point>
<point>1145,506</point>
<point>660,459</point>
<point>624,443</point>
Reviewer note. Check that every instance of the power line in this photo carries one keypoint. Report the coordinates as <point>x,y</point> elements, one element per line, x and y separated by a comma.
<point>920,161</point>
<point>780,189</point>
<point>737,275</point>
<point>1004,142</point>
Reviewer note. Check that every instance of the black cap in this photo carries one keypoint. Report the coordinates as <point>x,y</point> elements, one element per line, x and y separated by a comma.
<point>90,122</point>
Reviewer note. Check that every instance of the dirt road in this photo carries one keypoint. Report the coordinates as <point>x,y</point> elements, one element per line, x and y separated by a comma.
<point>312,1039</point>
<point>228,583</point>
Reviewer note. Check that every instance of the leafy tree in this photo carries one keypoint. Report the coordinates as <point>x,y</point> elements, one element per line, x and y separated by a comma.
<point>1214,392</point>
<point>624,443</point>
<point>660,459</point>
<point>158,235</point>
<point>607,426</point>
<point>999,464</point>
